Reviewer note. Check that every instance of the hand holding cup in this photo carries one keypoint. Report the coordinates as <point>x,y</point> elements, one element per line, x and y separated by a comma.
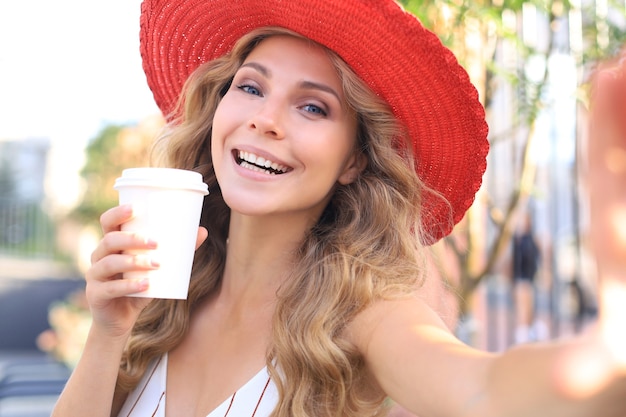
<point>167,204</point>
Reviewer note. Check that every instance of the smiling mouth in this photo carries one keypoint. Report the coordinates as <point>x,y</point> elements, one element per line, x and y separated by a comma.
<point>256,163</point>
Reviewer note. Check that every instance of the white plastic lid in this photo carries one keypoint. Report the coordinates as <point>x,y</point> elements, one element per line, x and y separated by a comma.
<point>162,178</point>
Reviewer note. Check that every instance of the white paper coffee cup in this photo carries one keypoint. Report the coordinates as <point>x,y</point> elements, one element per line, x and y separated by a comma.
<point>167,204</point>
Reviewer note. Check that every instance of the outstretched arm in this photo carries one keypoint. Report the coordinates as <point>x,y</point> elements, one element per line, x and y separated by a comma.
<point>424,368</point>
<point>420,364</point>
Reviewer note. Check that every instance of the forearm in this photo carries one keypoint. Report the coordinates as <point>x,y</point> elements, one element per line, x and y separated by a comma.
<point>90,389</point>
<point>555,380</point>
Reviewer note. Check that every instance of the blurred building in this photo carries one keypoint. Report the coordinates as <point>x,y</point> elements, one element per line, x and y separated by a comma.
<point>23,168</point>
<point>25,229</point>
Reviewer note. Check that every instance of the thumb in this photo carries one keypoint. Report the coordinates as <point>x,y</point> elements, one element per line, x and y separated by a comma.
<point>203,233</point>
<point>591,366</point>
<point>612,313</point>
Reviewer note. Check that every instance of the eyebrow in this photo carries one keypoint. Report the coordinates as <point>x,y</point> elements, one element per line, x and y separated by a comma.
<point>260,68</point>
<point>309,85</point>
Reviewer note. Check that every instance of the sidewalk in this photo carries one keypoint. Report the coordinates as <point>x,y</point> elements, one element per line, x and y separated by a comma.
<point>27,268</point>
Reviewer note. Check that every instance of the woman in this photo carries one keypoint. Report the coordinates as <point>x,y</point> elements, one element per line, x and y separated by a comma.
<point>335,146</point>
<point>526,258</point>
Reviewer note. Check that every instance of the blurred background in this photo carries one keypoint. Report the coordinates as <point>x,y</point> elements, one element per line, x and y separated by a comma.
<point>75,110</point>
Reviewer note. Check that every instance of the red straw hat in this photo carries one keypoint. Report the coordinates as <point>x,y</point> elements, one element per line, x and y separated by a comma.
<point>387,47</point>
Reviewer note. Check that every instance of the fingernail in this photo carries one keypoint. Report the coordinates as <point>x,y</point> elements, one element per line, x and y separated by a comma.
<point>151,243</point>
<point>143,283</point>
<point>146,261</point>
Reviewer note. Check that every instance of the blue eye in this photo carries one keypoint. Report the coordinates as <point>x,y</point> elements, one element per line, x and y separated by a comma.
<point>312,108</point>
<point>249,89</point>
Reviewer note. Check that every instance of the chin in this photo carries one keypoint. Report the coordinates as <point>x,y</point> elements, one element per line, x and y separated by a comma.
<point>244,205</point>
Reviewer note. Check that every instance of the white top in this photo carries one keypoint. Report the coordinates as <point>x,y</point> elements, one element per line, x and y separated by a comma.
<point>257,398</point>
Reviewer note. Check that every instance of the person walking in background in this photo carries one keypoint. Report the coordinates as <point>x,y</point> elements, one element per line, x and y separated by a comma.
<point>526,258</point>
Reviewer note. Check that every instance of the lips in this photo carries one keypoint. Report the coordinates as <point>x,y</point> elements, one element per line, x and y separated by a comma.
<point>257,163</point>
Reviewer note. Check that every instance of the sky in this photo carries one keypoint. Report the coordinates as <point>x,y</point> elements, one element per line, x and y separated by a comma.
<point>67,69</point>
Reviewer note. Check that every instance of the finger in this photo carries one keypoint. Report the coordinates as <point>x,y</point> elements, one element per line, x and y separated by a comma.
<point>607,171</point>
<point>608,95</point>
<point>113,218</point>
<point>113,266</point>
<point>203,233</point>
<point>117,242</point>
<point>101,293</point>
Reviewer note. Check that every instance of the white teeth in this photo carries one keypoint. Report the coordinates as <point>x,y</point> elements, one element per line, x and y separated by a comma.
<point>255,168</point>
<point>255,163</point>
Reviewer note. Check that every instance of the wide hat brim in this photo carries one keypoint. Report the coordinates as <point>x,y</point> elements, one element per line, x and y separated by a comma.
<point>401,61</point>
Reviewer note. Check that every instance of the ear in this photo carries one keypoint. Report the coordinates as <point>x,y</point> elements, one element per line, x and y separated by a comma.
<point>356,164</point>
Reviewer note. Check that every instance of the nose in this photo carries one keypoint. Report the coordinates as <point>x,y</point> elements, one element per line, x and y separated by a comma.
<point>268,121</point>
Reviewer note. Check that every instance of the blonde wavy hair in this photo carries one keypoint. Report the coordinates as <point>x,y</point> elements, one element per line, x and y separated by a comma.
<point>365,247</point>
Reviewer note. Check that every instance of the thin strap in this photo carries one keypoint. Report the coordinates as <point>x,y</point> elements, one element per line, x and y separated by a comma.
<point>144,388</point>
<point>158,404</point>
<point>232,399</point>
<point>261,397</point>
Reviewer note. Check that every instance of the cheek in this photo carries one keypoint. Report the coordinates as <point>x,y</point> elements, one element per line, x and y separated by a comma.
<point>217,142</point>
<point>222,123</point>
<point>217,123</point>
<point>346,147</point>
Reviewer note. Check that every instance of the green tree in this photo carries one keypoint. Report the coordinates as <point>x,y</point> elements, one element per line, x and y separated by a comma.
<point>115,148</point>
<point>100,167</point>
